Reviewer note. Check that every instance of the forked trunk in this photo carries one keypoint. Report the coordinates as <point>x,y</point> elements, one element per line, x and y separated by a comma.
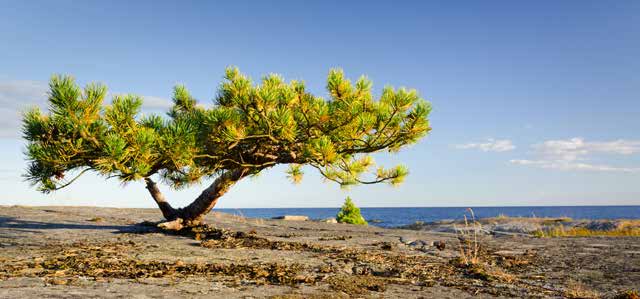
<point>193,214</point>
<point>167,210</point>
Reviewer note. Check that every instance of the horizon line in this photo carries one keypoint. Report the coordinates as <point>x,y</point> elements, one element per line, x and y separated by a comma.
<point>387,207</point>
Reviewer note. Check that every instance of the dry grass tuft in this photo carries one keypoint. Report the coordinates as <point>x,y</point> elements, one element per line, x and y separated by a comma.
<point>576,289</point>
<point>468,236</point>
<point>548,221</point>
<point>627,294</point>
<point>355,284</point>
<point>629,223</point>
<point>561,231</point>
<point>502,275</point>
<point>501,218</point>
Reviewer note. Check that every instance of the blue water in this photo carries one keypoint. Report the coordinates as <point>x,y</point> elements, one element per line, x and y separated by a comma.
<point>390,217</point>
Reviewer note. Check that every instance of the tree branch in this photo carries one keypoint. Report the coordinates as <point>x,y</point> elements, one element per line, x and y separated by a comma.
<point>72,180</point>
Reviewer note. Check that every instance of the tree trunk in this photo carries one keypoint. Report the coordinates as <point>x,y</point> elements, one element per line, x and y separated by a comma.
<point>193,214</point>
<point>168,211</point>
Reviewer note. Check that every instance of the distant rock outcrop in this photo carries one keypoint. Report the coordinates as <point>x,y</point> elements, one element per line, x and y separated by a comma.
<point>293,217</point>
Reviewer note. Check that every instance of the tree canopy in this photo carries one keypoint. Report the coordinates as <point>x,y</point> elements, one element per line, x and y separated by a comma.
<point>249,128</point>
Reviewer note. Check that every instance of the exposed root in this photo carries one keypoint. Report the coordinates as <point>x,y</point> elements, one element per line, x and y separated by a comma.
<point>174,225</point>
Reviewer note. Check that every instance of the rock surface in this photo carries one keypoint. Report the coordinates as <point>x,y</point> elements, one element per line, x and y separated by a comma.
<point>58,252</point>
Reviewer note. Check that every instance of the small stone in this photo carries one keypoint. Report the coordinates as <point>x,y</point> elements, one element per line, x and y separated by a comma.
<point>406,240</point>
<point>347,268</point>
<point>56,281</point>
<point>418,243</point>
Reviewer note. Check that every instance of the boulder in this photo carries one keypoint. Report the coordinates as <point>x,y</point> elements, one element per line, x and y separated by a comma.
<point>516,227</point>
<point>329,220</point>
<point>603,225</point>
<point>462,230</point>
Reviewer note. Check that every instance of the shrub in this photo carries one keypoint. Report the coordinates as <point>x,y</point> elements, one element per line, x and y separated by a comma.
<point>349,213</point>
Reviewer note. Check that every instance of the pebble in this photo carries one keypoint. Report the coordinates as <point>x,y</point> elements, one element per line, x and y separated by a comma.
<point>406,240</point>
<point>418,243</point>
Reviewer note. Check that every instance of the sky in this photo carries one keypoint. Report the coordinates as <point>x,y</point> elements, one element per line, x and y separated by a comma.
<point>534,103</point>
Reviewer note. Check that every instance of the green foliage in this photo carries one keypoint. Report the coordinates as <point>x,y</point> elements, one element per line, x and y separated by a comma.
<point>349,213</point>
<point>251,127</point>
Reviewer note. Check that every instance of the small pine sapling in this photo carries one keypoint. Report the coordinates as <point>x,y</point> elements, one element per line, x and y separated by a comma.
<point>349,213</point>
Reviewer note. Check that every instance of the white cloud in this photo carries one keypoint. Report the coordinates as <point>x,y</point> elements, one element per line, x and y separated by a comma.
<point>572,154</point>
<point>566,165</point>
<point>17,96</point>
<point>575,148</point>
<point>491,145</point>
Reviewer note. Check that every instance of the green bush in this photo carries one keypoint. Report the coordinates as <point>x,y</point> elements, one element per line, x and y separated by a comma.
<point>349,213</point>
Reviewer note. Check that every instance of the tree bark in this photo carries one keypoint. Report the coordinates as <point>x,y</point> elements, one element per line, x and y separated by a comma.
<point>167,210</point>
<point>193,214</point>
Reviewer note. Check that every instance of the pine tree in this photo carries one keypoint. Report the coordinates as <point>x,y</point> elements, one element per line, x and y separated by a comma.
<point>250,128</point>
<point>349,213</point>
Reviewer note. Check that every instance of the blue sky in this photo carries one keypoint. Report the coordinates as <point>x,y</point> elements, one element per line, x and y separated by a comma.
<point>534,103</point>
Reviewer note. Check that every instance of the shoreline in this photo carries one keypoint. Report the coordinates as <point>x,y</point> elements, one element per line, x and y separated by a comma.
<point>388,217</point>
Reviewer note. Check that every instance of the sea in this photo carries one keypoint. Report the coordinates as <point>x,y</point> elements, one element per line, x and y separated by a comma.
<point>393,217</point>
